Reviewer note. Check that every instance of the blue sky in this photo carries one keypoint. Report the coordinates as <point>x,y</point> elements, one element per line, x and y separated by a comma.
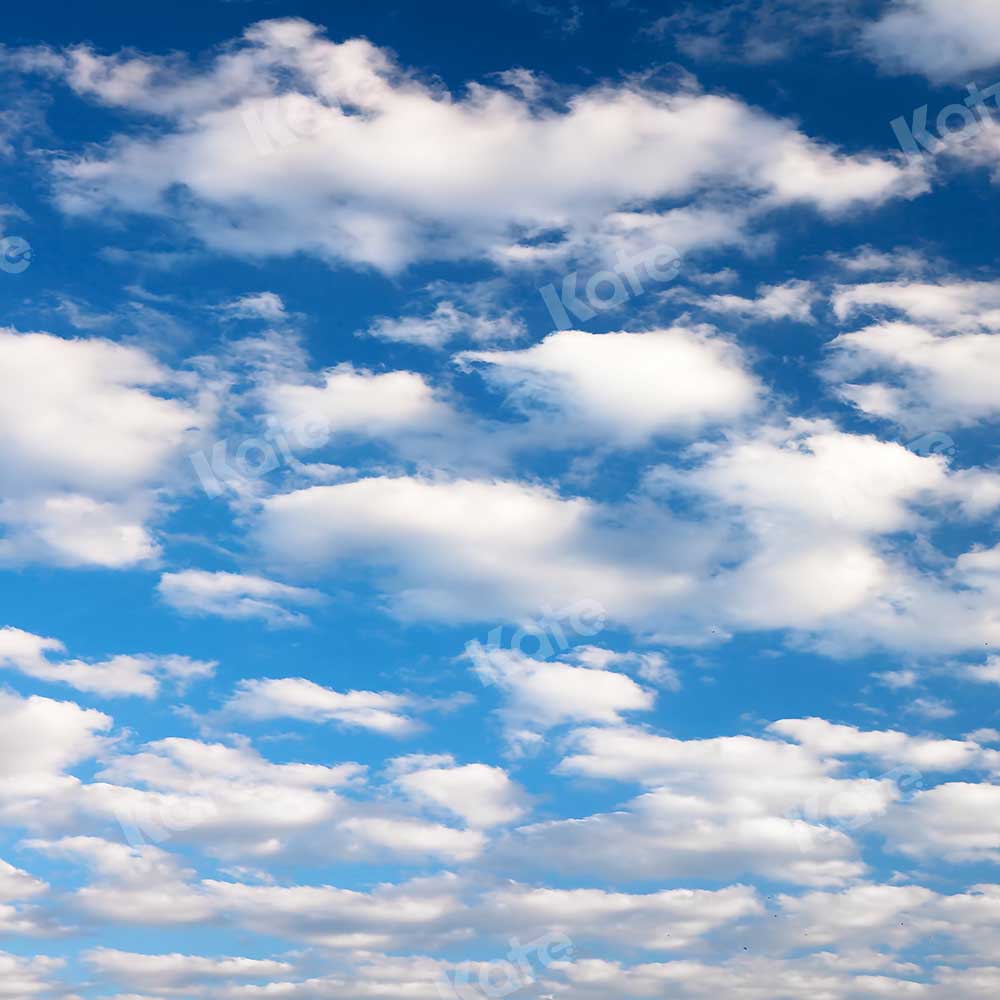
<point>499,501</point>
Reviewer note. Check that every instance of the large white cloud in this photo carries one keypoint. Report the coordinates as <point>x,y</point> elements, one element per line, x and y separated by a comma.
<point>358,402</point>
<point>789,525</point>
<point>87,435</point>
<point>942,40</point>
<point>288,142</point>
<point>935,366</point>
<point>469,549</point>
<point>481,795</point>
<point>626,388</point>
<point>540,695</point>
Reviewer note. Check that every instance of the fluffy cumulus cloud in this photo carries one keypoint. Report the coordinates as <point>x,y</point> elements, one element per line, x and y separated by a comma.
<point>437,543</point>
<point>785,806</point>
<point>88,434</point>
<point>780,526</point>
<point>252,136</point>
<point>482,796</point>
<point>815,503</point>
<point>540,695</point>
<point>626,388</point>
<point>944,41</point>
<point>931,362</point>
<point>361,403</point>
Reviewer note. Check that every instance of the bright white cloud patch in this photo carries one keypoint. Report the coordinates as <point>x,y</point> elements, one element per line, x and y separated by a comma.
<point>299,698</point>
<point>937,368</point>
<point>942,40</point>
<point>440,542</point>
<point>351,401</point>
<point>256,158</point>
<point>86,435</point>
<point>625,388</point>
<point>119,676</point>
<point>540,695</point>
<point>237,596</point>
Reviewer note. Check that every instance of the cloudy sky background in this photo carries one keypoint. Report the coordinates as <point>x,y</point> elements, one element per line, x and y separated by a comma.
<point>480,477</point>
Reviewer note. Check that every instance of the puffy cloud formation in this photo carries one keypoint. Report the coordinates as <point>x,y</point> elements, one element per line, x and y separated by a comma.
<point>284,127</point>
<point>943,41</point>
<point>932,362</point>
<point>120,676</point>
<point>86,439</point>
<point>627,388</point>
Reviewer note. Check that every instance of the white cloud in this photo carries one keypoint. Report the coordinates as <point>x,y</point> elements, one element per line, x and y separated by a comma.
<point>237,596</point>
<point>17,917</point>
<point>816,507</point>
<point>354,401</point>
<point>662,921</point>
<point>919,377</point>
<point>481,795</point>
<point>119,676</point>
<point>419,172</point>
<point>342,918</point>
<point>130,881</point>
<point>413,838</point>
<point>166,972</point>
<point>890,747</point>
<point>942,40</point>
<point>788,527</point>
<point>39,741</point>
<point>967,306</point>
<point>959,822</point>
<point>22,977</point>
<point>17,884</point>
<point>86,435</point>
<point>627,387</point>
<point>259,305</point>
<point>723,806</point>
<point>540,695</point>
<point>229,799</point>
<point>471,549</point>
<point>984,673</point>
<point>664,835</point>
<point>792,300</point>
<point>448,321</point>
<point>299,698</point>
